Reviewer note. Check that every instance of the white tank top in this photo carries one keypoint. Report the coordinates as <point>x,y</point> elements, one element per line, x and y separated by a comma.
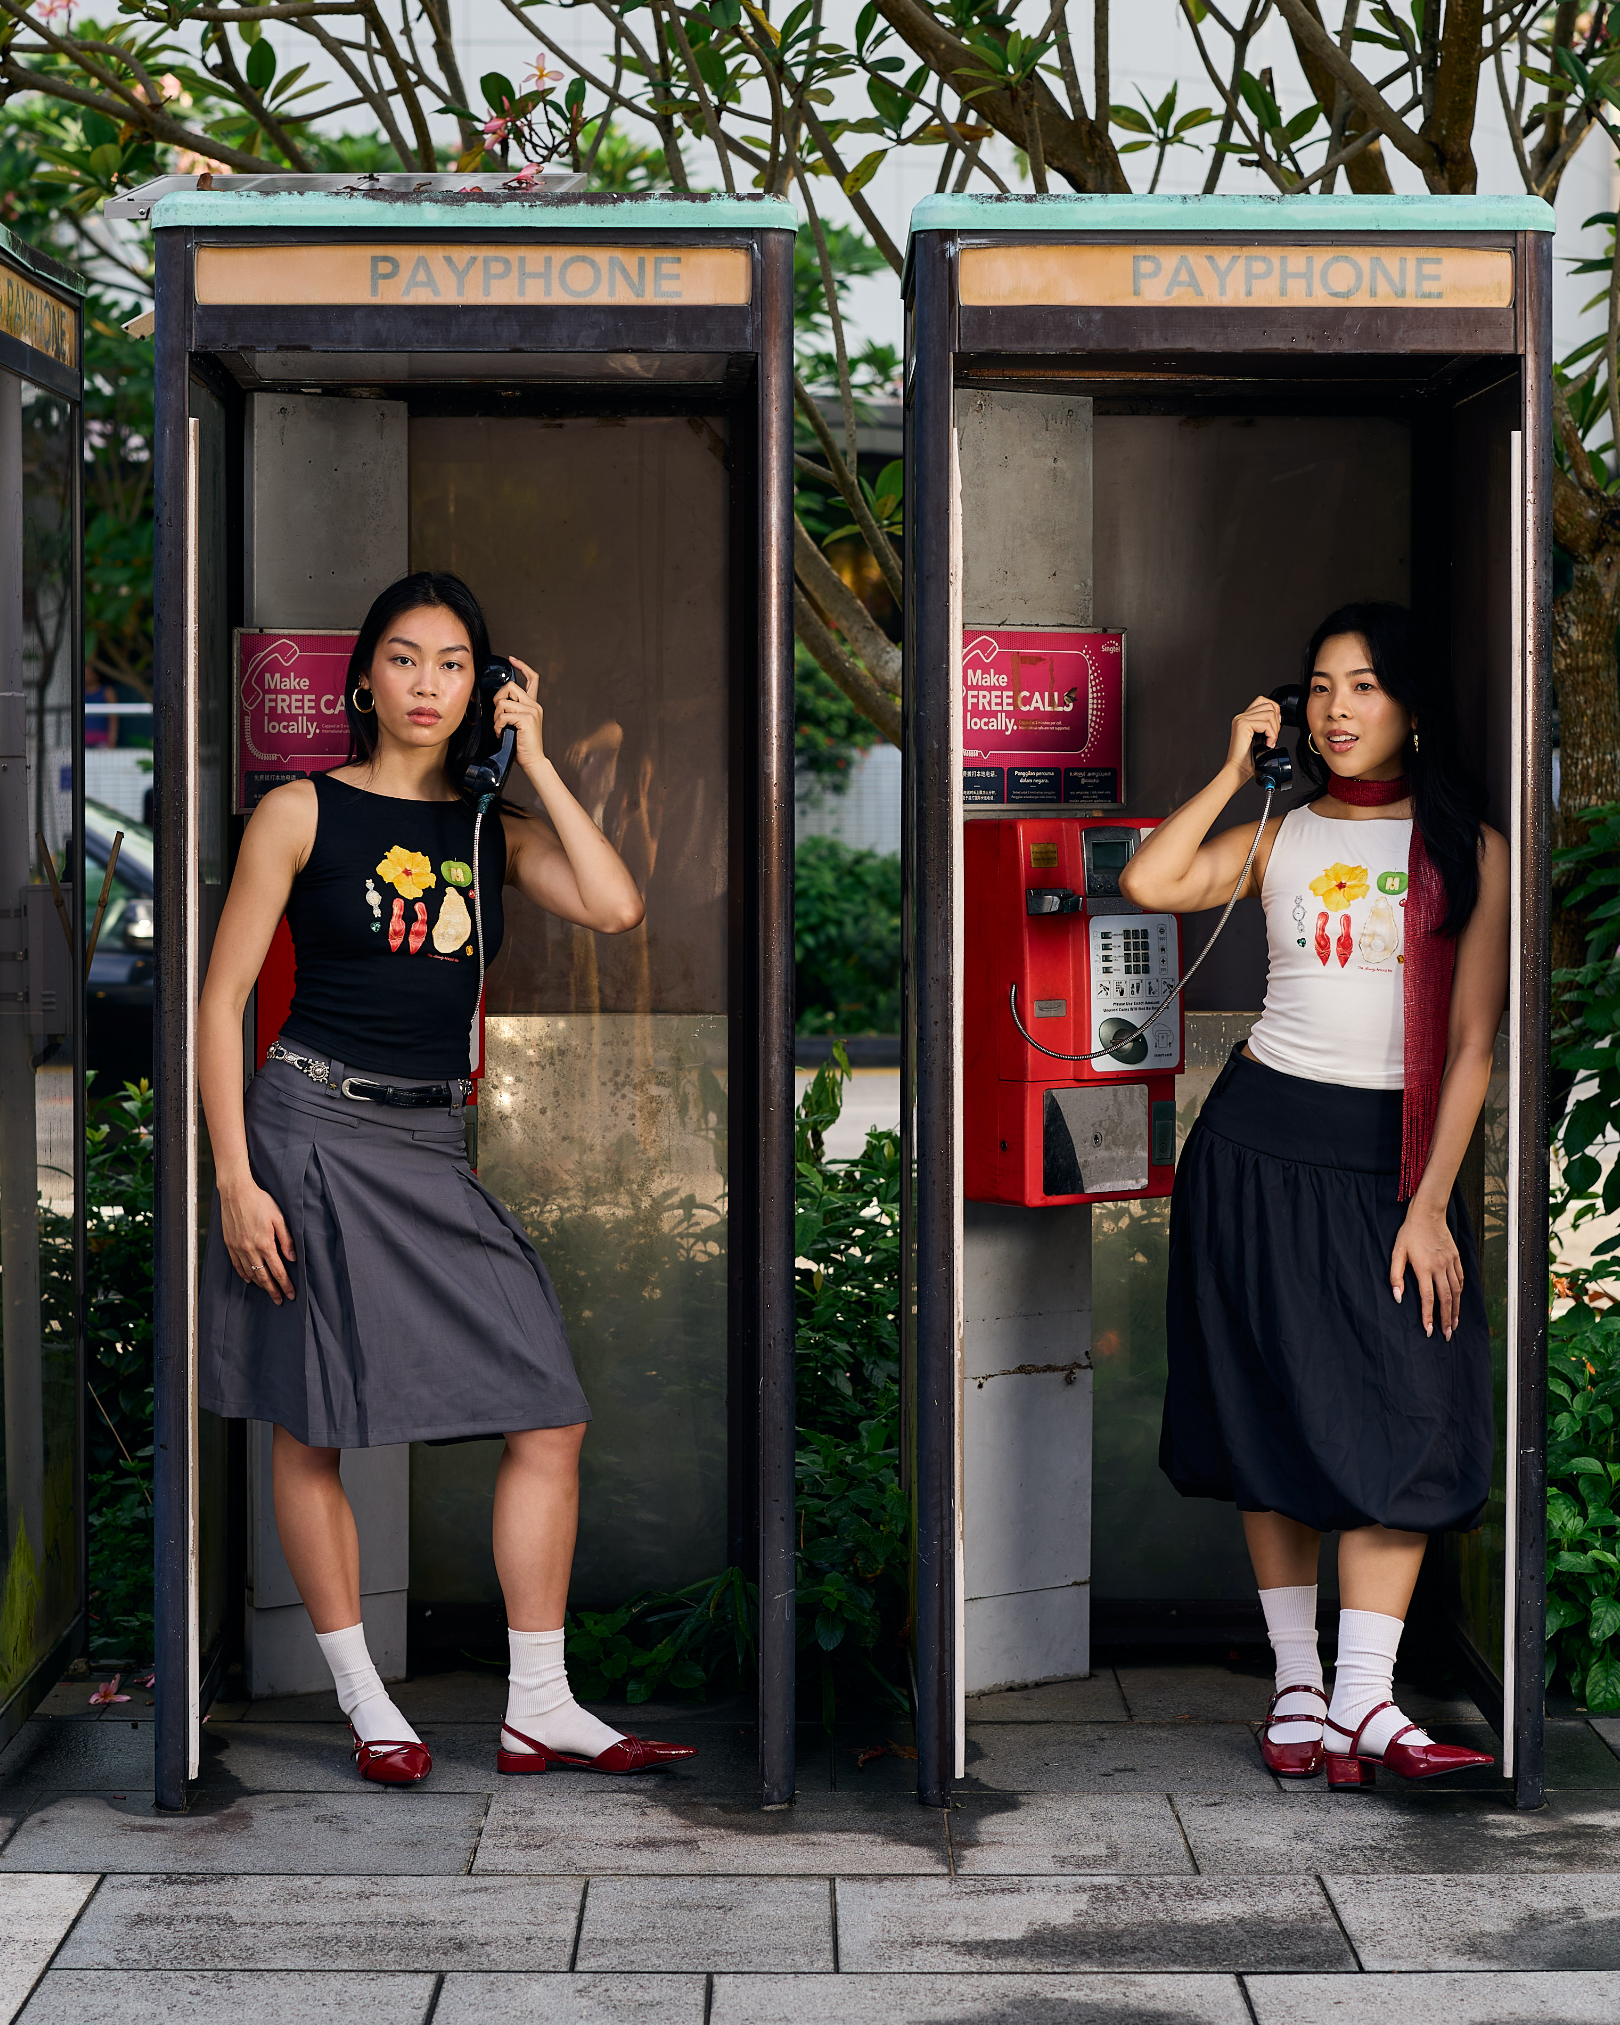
<point>1335,901</point>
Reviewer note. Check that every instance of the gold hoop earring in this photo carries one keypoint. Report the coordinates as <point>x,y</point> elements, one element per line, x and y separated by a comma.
<point>365,710</point>
<point>1311,742</point>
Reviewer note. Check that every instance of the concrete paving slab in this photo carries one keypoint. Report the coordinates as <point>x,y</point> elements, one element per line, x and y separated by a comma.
<point>571,2000</point>
<point>975,2000</point>
<point>1560,1921</point>
<point>1095,1700</point>
<point>1040,1925</point>
<point>71,1698</point>
<point>1576,1756</point>
<point>551,1826</point>
<point>421,1924</point>
<point>35,1912</point>
<point>1068,1835</point>
<point>1607,1727</point>
<point>372,1832</point>
<point>1193,1694</point>
<point>315,1758</point>
<point>1503,1999</point>
<point>1115,1757</point>
<point>52,1755</point>
<point>192,1997</point>
<point>708,1923</point>
<point>874,1755</point>
<point>1410,1829</point>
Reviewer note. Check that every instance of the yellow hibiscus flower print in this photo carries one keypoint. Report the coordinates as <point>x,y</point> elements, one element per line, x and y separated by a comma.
<point>411,873</point>
<point>1340,884</point>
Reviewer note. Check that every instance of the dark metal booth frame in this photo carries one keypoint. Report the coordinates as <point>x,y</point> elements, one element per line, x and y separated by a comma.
<point>1471,381</point>
<point>746,339</point>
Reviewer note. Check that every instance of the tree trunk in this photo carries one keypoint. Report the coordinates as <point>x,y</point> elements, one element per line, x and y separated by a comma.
<point>1586,525</point>
<point>1365,173</point>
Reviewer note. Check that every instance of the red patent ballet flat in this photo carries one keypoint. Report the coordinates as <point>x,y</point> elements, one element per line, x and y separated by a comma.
<point>1292,1761</point>
<point>629,1754</point>
<point>1349,1769</point>
<point>391,1764</point>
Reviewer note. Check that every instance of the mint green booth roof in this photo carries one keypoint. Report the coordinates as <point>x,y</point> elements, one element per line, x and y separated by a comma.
<point>284,211</point>
<point>15,252</point>
<point>1231,214</point>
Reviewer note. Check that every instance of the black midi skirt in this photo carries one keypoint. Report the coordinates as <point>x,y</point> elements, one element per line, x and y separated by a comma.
<point>1297,1383</point>
<point>422,1311</point>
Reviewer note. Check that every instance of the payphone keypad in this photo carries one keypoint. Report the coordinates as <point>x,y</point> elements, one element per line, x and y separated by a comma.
<point>1133,971</point>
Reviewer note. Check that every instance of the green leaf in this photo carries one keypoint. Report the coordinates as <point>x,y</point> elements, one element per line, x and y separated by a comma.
<point>1604,1621</point>
<point>261,66</point>
<point>1302,122</point>
<point>1128,117</point>
<point>1588,1465</point>
<point>1603,1684</point>
<point>498,91</point>
<point>864,170</point>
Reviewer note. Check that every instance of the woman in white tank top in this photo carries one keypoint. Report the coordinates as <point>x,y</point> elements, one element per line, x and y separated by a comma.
<point>1329,1357</point>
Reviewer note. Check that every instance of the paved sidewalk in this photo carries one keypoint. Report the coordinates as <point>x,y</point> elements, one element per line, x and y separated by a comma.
<point>1119,1857</point>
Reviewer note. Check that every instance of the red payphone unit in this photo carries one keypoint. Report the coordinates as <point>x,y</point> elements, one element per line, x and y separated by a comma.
<point>1069,1079</point>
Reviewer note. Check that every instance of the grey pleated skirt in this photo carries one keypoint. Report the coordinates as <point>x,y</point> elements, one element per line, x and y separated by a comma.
<point>422,1312</point>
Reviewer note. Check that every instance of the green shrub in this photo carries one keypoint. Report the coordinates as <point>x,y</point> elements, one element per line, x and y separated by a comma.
<point>846,939</point>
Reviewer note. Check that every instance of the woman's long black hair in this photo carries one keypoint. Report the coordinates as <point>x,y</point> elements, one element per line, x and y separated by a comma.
<point>1448,799</point>
<point>421,587</point>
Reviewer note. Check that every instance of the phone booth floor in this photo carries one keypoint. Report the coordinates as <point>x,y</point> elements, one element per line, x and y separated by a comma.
<point>1193,426</point>
<point>580,405</point>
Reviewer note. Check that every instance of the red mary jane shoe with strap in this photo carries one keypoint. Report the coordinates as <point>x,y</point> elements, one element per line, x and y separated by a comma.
<point>391,1764</point>
<point>1292,1761</point>
<point>629,1754</point>
<point>1412,1761</point>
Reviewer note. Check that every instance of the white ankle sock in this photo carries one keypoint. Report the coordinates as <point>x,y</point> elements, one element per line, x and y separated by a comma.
<point>360,1692</point>
<point>1291,1626</point>
<point>541,1704</point>
<point>1363,1677</point>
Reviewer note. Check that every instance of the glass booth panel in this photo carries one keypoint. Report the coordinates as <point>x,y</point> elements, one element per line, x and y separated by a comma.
<point>39,1300</point>
<point>599,549</point>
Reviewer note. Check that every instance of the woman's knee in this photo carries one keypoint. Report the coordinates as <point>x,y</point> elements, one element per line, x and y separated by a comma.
<point>288,1453</point>
<point>547,1450</point>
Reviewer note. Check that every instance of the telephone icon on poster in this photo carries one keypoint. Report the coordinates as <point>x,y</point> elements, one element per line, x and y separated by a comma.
<point>1273,765</point>
<point>487,774</point>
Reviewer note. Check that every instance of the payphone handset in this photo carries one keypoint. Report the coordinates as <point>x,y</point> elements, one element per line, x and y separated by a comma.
<point>484,779</point>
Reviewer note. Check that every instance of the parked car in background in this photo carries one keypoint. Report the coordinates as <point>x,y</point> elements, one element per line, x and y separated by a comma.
<point>119,989</point>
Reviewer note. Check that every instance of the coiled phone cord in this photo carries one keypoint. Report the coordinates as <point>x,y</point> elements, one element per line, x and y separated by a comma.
<point>478,921</point>
<point>1182,982</point>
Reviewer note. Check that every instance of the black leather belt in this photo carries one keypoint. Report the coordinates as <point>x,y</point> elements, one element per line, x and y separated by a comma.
<point>364,1090</point>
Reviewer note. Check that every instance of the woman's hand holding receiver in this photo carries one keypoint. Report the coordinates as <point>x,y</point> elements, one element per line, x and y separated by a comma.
<point>1175,871</point>
<point>522,711</point>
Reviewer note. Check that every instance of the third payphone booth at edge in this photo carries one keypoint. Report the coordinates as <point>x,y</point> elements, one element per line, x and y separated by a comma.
<point>1194,426</point>
<point>583,406</point>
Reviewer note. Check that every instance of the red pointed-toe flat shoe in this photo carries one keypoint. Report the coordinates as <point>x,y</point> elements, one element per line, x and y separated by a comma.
<point>1292,1761</point>
<point>1350,1770</point>
<point>629,1754</point>
<point>391,1764</point>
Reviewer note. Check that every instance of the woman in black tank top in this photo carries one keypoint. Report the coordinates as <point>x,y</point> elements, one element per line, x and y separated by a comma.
<point>361,1286</point>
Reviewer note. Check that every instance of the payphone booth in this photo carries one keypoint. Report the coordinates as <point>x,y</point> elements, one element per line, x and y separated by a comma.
<point>1151,441</point>
<point>581,405</point>
<point>42,940</point>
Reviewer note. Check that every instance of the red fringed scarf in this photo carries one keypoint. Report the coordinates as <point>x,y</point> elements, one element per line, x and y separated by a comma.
<point>1425,979</point>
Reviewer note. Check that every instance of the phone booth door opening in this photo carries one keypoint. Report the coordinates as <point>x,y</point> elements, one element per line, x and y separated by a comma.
<point>581,406</point>
<point>43,1590</point>
<point>1194,426</point>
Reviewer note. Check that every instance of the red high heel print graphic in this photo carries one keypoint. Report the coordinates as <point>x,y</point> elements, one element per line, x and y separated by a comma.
<point>419,928</point>
<point>1324,948</point>
<point>396,926</point>
<point>1344,945</point>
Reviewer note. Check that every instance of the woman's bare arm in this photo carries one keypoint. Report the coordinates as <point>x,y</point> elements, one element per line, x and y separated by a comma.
<point>561,861</point>
<point>1176,871</point>
<point>1478,994</point>
<point>277,841</point>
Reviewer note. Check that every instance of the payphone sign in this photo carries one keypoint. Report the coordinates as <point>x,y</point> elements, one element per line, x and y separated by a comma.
<point>290,720</point>
<point>1270,275</point>
<point>1043,718</point>
<point>443,274</point>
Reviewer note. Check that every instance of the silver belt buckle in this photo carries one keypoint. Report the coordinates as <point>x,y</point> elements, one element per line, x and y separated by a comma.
<point>355,1095</point>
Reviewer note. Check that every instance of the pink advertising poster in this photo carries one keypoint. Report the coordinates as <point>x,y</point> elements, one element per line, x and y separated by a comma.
<point>289,707</point>
<point>1043,718</point>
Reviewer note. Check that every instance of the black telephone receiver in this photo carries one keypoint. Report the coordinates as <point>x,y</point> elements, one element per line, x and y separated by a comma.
<point>487,773</point>
<point>1273,767</point>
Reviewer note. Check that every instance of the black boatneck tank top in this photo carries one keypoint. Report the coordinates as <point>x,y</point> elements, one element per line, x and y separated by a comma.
<point>382,928</point>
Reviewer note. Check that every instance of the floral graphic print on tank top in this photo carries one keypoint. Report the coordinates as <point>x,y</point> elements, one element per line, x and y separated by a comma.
<point>1335,899</point>
<point>382,926</point>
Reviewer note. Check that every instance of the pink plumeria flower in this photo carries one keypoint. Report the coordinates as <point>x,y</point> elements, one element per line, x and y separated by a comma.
<point>524,179</point>
<point>146,1681</point>
<point>108,1692</point>
<point>55,10</point>
<point>544,79</point>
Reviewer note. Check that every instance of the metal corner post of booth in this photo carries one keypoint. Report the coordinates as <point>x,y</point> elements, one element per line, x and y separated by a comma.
<point>43,1447</point>
<point>583,406</point>
<point>1196,425</point>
